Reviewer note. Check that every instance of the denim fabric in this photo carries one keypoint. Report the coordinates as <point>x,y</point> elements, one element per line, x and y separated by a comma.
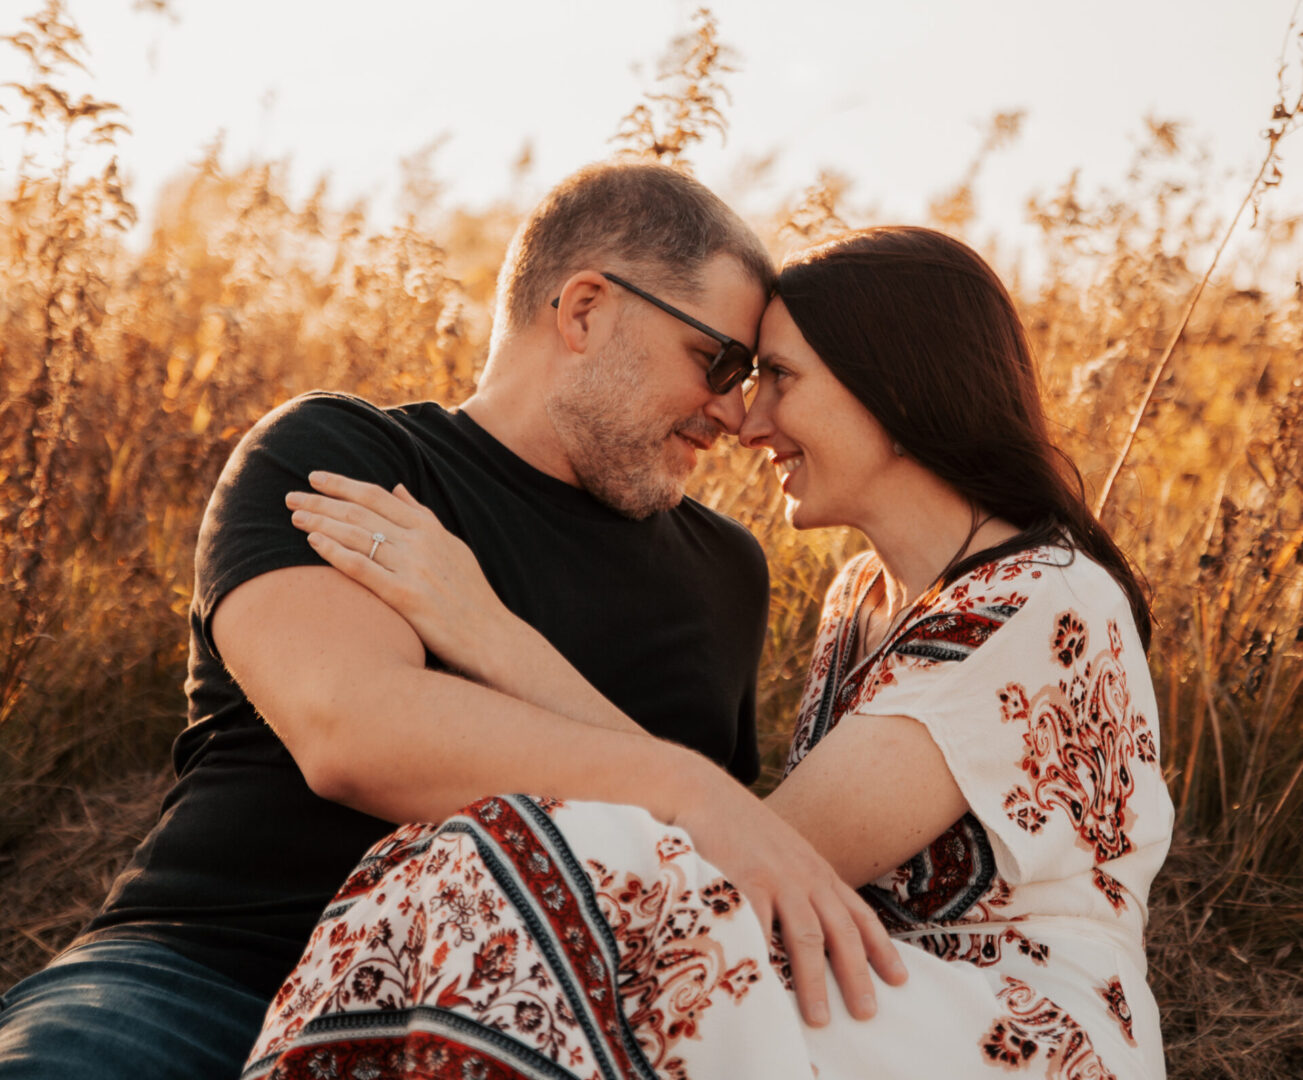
<point>127,1010</point>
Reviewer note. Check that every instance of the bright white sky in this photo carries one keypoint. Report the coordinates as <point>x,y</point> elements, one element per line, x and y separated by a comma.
<point>892,93</point>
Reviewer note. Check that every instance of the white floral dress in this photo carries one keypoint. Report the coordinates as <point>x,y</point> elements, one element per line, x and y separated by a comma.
<point>1029,675</point>
<point>527,937</point>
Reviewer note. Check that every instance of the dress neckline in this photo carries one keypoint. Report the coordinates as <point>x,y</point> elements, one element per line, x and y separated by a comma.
<point>893,628</point>
<point>852,638</point>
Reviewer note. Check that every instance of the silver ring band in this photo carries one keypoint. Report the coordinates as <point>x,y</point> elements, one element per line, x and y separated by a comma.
<point>376,540</point>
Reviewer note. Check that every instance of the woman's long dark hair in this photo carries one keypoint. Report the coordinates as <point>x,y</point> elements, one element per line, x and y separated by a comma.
<point>922,332</point>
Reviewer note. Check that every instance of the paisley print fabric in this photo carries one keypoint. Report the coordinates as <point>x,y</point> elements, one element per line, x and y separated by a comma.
<point>529,938</point>
<point>1029,676</point>
<point>496,945</point>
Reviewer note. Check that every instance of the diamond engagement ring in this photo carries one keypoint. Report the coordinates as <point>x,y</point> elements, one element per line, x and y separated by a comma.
<point>376,540</point>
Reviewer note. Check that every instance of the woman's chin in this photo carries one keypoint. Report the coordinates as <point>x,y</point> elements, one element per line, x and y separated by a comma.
<point>797,515</point>
<point>803,516</point>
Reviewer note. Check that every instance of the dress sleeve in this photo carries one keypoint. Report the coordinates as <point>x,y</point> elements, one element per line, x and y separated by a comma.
<point>1048,723</point>
<point>246,530</point>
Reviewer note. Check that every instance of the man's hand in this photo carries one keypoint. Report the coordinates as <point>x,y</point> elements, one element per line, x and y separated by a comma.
<point>789,883</point>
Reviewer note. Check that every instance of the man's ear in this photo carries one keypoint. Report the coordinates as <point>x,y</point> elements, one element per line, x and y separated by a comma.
<point>585,311</point>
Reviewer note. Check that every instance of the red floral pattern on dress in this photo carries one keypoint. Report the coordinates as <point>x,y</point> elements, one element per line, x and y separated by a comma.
<point>829,646</point>
<point>671,967</point>
<point>450,907</point>
<point>1083,740</point>
<point>1069,639</point>
<point>780,961</point>
<point>984,950</point>
<point>1112,996</point>
<point>943,624</point>
<point>420,1056</point>
<point>942,884</point>
<point>1036,1033</point>
<point>488,924</point>
<point>1110,887</point>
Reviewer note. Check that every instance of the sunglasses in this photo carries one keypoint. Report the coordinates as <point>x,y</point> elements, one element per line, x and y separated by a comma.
<point>731,365</point>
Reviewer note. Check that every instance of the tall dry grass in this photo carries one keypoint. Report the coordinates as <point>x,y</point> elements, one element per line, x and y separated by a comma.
<point>126,378</point>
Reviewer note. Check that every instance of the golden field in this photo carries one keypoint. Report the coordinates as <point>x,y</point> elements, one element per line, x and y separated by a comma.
<point>127,376</point>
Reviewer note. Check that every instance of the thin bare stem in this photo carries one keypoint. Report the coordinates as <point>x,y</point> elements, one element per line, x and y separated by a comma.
<point>1138,417</point>
<point>1283,119</point>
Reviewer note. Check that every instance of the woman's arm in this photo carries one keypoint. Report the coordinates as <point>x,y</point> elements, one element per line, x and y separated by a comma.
<point>872,793</point>
<point>431,578</point>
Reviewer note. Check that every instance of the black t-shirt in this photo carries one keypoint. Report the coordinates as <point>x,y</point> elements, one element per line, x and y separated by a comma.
<point>664,616</point>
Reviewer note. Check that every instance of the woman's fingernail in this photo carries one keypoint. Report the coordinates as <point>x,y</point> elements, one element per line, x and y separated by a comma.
<point>298,517</point>
<point>819,1013</point>
<point>314,539</point>
<point>868,1005</point>
<point>293,499</point>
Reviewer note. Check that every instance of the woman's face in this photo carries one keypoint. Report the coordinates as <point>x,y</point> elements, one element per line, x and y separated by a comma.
<point>830,454</point>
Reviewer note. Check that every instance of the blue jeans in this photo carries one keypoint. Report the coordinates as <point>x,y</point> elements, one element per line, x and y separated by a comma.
<point>127,1010</point>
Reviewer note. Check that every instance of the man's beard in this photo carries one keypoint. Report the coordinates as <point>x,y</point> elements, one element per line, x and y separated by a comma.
<point>615,440</point>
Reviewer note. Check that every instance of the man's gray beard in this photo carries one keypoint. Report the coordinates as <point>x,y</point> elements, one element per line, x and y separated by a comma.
<point>614,454</point>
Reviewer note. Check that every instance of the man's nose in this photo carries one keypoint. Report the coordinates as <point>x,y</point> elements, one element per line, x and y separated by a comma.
<point>728,410</point>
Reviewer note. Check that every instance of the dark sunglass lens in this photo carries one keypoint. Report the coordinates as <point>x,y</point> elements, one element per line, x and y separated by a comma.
<point>731,366</point>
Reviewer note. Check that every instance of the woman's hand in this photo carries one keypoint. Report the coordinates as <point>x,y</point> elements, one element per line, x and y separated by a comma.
<point>433,580</point>
<point>790,884</point>
<point>419,569</point>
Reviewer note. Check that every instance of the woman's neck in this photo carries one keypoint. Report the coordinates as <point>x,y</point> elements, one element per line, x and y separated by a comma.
<point>923,531</point>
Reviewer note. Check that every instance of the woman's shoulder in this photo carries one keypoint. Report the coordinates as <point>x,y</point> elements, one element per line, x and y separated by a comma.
<point>1051,576</point>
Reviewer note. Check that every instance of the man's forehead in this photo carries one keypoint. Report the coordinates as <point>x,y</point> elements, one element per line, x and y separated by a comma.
<point>732,298</point>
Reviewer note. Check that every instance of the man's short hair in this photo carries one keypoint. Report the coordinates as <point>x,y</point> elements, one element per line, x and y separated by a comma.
<point>630,217</point>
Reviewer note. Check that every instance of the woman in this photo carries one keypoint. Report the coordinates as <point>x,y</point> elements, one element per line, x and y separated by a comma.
<point>976,751</point>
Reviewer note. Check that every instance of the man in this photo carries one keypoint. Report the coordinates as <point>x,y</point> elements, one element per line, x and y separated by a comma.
<point>626,320</point>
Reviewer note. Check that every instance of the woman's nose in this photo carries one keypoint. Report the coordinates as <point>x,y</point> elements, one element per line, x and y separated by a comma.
<point>756,426</point>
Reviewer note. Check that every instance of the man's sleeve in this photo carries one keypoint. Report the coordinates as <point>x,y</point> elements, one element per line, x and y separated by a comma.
<point>246,529</point>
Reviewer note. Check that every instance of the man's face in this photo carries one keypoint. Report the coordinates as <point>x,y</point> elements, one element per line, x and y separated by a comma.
<point>633,418</point>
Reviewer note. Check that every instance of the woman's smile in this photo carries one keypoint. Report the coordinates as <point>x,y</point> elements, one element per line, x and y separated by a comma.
<point>785,465</point>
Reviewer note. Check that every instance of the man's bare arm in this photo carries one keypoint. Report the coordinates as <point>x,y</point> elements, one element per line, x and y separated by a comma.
<point>341,679</point>
<point>340,676</point>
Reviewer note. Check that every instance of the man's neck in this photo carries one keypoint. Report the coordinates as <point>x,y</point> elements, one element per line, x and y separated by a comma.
<point>518,419</point>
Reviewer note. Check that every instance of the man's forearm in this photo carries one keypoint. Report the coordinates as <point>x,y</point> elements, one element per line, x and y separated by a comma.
<point>341,678</point>
<point>435,742</point>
